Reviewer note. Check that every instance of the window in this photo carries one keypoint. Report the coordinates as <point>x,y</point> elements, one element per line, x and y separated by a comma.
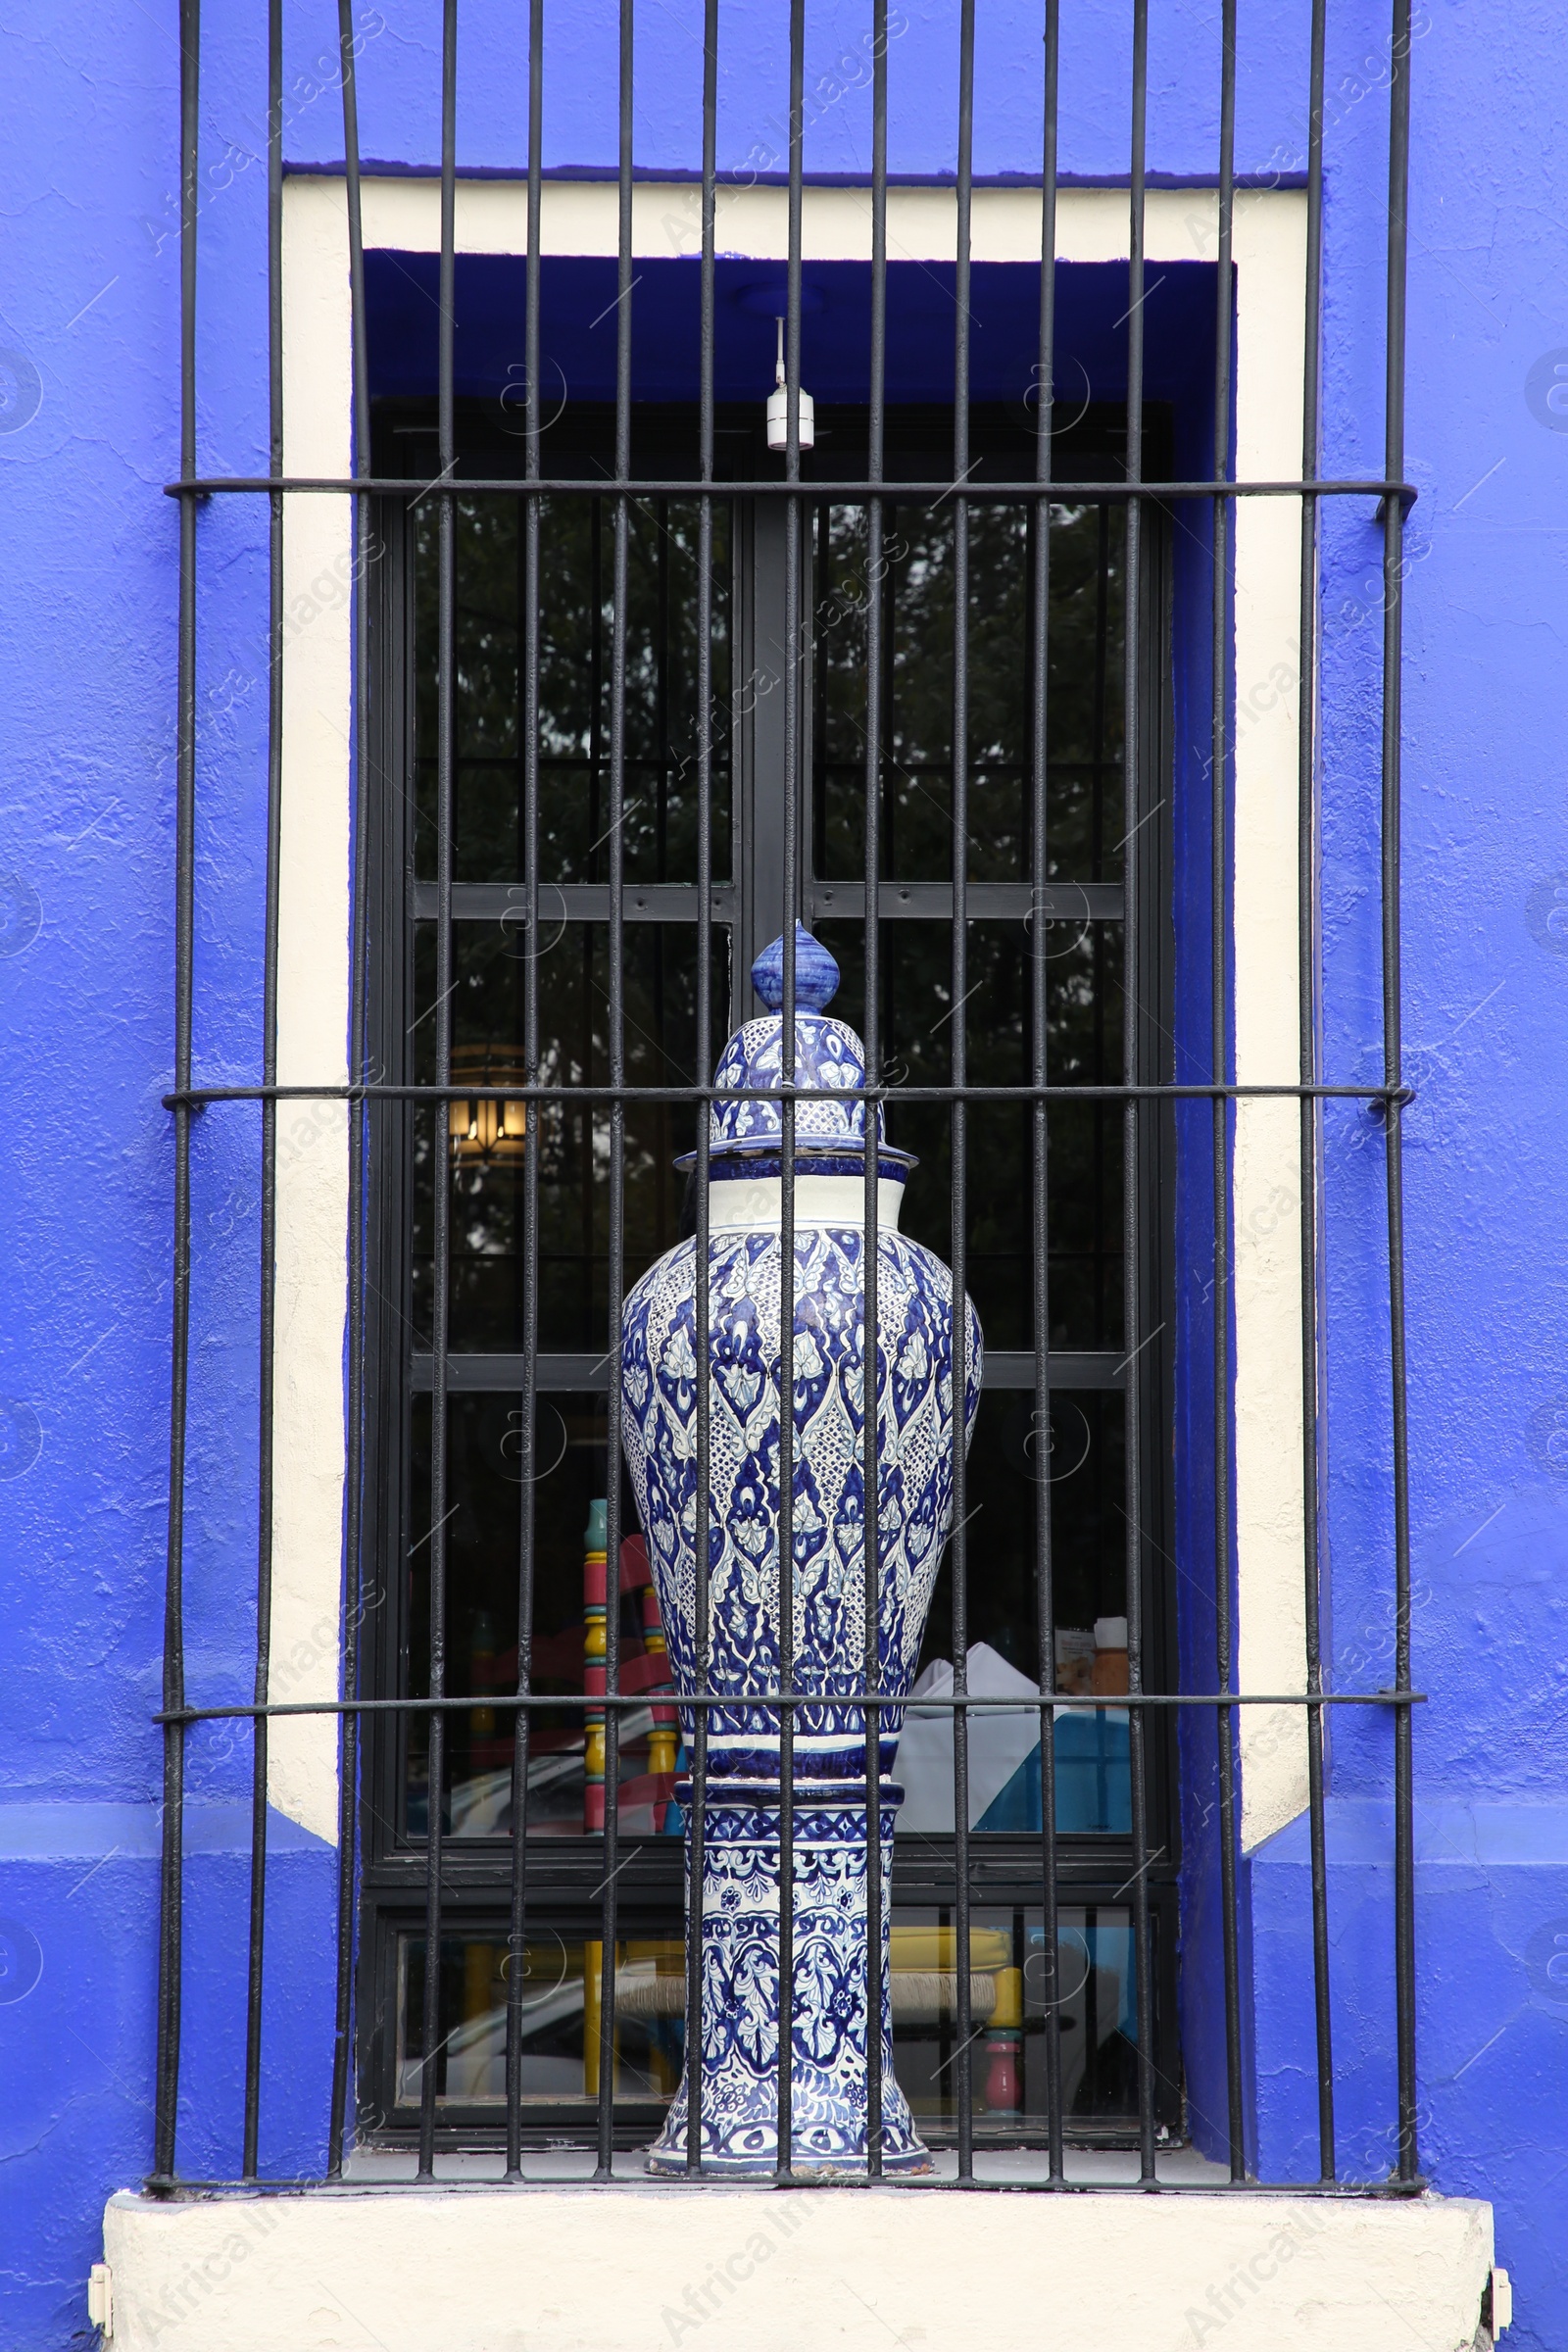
<point>401,1543</point>
<point>478,1151</point>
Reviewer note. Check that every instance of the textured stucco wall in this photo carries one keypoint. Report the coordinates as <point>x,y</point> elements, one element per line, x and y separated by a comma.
<point>89,432</point>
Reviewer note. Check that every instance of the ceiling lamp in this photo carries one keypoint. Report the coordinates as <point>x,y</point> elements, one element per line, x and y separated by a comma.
<point>778,408</point>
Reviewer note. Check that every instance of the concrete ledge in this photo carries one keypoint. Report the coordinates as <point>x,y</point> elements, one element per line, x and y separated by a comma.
<point>645,2269</point>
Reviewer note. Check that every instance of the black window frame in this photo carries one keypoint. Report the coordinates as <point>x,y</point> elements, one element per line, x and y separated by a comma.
<point>566,1875</point>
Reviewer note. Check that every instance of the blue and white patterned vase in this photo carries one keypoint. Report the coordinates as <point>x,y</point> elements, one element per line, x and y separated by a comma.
<point>738,1902</point>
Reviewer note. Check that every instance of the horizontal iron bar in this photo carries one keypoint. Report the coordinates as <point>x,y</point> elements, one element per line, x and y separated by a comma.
<point>569,902</point>
<point>480,1375</point>
<point>507,1701</point>
<point>559,1371</point>
<point>677,903</point>
<point>834,493</point>
<point>1067,1368</point>
<point>746,175</point>
<point>198,1096</point>
<point>999,902</point>
<point>301,2184</point>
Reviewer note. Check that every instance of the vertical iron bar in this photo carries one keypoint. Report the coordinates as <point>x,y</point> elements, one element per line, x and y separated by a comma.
<point>1219,780</point>
<point>440,1153</point>
<point>1132,881</point>
<point>1393,630</point>
<point>1306,988</point>
<point>1040,877</point>
<point>170,1920</point>
<point>617,1116</point>
<point>362,527</point>
<point>964,2071</point>
<point>702,1506</point>
<point>268,1217</point>
<point>529,1336</point>
<point>786,1317</point>
<point>873,1072</point>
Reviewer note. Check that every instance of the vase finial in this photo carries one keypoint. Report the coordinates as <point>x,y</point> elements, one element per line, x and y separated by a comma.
<point>816,975</point>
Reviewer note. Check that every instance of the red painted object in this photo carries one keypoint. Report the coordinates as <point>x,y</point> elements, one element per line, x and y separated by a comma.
<point>1004,2083</point>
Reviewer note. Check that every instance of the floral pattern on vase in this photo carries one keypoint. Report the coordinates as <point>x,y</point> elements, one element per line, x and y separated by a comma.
<point>739,1898</point>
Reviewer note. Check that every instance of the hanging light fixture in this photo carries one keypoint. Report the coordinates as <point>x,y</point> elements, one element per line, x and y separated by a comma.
<point>480,1127</point>
<point>778,407</point>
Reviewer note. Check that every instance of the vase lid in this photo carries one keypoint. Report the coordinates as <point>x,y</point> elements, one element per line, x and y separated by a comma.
<point>828,1056</point>
<point>816,979</point>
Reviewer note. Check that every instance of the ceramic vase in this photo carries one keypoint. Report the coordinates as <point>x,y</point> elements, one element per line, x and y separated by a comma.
<point>735,1910</point>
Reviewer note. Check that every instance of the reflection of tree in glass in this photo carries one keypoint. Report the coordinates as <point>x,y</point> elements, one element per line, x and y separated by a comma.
<point>916,588</point>
<point>576,576</point>
<point>1084,1046</point>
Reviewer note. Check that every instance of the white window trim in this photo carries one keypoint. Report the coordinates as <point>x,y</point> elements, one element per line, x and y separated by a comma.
<point>580,217</point>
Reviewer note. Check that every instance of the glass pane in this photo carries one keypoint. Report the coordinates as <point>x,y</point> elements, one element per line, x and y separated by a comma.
<point>483,1492</point>
<point>915,590</point>
<point>1083,1469</point>
<point>561,2021</point>
<point>1085,1047</point>
<point>660,978</point>
<point>576,573</point>
<point>1094,2019</point>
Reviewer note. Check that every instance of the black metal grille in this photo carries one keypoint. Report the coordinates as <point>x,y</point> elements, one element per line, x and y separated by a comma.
<point>1142,1101</point>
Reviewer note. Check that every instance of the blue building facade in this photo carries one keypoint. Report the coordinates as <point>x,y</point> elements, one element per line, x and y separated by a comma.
<point>90,434</point>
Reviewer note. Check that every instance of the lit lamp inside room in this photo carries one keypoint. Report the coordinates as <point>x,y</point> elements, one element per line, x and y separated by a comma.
<point>483,1127</point>
<point>778,407</point>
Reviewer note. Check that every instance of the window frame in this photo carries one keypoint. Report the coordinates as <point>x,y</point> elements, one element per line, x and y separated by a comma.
<point>567,1874</point>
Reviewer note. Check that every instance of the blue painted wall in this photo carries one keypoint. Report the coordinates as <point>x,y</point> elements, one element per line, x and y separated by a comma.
<point>89,432</point>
